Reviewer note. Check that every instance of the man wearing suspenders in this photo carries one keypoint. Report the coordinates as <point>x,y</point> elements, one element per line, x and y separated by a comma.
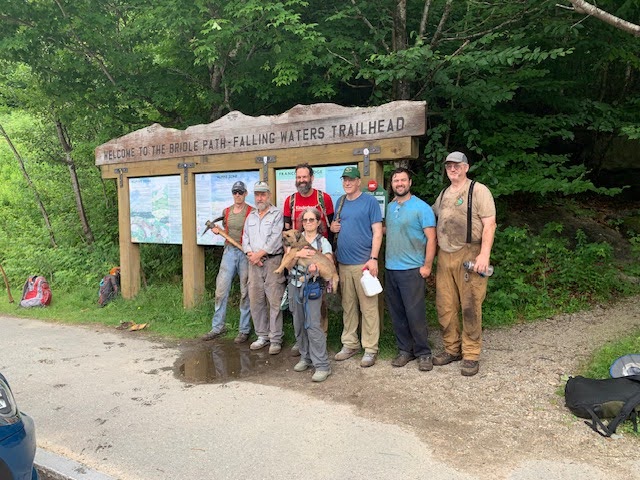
<point>465,230</point>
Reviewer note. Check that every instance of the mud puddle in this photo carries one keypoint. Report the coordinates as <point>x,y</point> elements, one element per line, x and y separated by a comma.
<point>222,361</point>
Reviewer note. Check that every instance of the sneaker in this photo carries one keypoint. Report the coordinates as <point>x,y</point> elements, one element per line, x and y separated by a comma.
<point>445,358</point>
<point>320,375</point>
<point>368,360</point>
<point>261,342</point>
<point>241,338</point>
<point>295,351</point>
<point>301,366</point>
<point>470,368</point>
<point>345,353</point>
<point>213,334</point>
<point>274,348</point>
<point>425,363</point>
<point>402,359</point>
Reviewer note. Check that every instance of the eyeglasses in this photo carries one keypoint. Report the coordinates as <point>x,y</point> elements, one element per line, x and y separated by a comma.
<point>237,192</point>
<point>453,166</point>
<point>309,220</point>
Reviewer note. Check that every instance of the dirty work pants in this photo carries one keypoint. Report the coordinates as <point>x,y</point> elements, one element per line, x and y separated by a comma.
<point>405,296</point>
<point>310,337</point>
<point>265,293</point>
<point>233,261</point>
<point>358,308</point>
<point>455,287</point>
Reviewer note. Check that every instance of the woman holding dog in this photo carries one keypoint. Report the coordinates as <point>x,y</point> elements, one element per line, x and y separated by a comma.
<point>306,289</point>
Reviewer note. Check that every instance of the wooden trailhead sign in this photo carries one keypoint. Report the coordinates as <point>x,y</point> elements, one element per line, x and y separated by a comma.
<point>179,171</point>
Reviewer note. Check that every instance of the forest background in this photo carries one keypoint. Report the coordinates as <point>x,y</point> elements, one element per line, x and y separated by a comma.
<point>542,98</point>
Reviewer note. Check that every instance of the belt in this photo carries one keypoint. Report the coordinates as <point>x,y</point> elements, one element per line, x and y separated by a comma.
<point>270,255</point>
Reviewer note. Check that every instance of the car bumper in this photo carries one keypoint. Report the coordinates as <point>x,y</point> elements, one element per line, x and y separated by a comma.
<point>18,451</point>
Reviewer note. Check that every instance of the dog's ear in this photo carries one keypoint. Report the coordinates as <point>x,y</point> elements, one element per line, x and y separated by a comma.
<point>298,235</point>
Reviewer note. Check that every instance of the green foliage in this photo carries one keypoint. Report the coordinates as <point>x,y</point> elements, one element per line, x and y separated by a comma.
<point>539,275</point>
<point>599,364</point>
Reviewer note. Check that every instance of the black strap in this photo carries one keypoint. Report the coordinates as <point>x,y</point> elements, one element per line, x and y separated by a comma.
<point>469,202</point>
<point>625,412</point>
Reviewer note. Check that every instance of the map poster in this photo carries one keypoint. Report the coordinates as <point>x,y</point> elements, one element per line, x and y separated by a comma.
<point>213,195</point>
<point>327,179</point>
<point>156,209</point>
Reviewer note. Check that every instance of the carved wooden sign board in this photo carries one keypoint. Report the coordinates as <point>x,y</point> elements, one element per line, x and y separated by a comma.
<point>240,146</point>
<point>302,126</point>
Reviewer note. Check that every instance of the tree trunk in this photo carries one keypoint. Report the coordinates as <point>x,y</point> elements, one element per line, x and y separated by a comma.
<point>32,187</point>
<point>66,147</point>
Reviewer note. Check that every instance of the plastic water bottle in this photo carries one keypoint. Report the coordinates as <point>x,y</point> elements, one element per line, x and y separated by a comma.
<point>468,265</point>
<point>370,284</point>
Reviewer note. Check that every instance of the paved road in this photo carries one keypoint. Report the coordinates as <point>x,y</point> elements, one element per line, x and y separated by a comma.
<point>111,401</point>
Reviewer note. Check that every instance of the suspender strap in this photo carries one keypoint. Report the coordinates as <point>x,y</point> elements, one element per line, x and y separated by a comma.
<point>469,213</point>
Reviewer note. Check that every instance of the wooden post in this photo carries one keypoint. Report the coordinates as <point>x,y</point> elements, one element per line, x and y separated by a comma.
<point>129,252</point>
<point>192,253</point>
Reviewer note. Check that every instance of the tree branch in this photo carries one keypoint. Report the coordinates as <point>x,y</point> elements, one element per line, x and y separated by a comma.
<point>581,6</point>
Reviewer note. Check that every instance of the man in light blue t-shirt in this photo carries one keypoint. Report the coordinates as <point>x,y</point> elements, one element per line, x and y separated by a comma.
<point>409,254</point>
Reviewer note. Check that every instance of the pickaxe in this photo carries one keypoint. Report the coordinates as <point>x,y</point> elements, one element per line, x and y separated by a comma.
<point>212,223</point>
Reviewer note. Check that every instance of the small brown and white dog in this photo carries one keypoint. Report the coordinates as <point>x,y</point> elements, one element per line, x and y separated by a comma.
<point>326,268</point>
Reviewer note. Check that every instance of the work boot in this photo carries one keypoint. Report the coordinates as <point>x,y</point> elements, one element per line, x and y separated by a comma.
<point>241,338</point>
<point>301,366</point>
<point>470,368</point>
<point>295,350</point>
<point>213,334</point>
<point>402,359</point>
<point>345,353</point>
<point>368,360</point>
<point>425,363</point>
<point>274,348</point>
<point>445,358</point>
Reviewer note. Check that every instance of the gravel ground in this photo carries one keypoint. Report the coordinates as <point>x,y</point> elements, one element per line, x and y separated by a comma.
<point>513,410</point>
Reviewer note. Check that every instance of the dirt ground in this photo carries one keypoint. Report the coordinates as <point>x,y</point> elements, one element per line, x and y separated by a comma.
<point>511,410</point>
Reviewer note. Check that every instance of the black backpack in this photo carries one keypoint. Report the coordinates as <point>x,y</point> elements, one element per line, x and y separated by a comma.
<point>614,398</point>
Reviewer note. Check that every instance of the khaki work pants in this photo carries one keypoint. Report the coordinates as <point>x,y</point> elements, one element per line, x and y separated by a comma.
<point>357,306</point>
<point>456,287</point>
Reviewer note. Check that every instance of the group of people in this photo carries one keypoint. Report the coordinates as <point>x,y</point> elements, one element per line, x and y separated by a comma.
<point>459,227</point>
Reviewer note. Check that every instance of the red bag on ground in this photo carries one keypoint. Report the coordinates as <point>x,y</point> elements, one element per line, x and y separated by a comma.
<point>36,292</point>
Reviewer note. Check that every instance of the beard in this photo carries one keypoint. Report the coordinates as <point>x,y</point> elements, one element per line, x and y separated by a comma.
<point>404,193</point>
<point>262,206</point>
<point>303,187</point>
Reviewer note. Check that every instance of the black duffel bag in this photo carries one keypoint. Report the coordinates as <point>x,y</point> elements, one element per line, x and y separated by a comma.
<point>614,398</point>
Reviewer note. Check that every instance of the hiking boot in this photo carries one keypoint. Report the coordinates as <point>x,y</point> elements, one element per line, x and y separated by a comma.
<point>241,338</point>
<point>295,351</point>
<point>301,366</point>
<point>425,363</point>
<point>402,359</point>
<point>445,358</point>
<point>213,334</point>
<point>274,348</point>
<point>368,360</point>
<point>261,342</point>
<point>470,368</point>
<point>320,375</point>
<point>345,353</point>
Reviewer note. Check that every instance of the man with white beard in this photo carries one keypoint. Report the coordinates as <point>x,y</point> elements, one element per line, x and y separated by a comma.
<point>262,242</point>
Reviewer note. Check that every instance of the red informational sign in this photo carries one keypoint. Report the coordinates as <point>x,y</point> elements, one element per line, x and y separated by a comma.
<point>372,185</point>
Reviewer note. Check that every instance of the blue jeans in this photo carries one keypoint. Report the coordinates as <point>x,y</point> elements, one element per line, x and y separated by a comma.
<point>233,261</point>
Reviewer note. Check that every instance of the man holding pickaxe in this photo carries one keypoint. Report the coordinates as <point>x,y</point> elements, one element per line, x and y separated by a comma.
<point>233,261</point>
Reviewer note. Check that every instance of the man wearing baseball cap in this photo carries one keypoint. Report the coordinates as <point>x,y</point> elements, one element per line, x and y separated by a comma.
<point>233,261</point>
<point>466,224</point>
<point>359,231</point>
<point>262,242</point>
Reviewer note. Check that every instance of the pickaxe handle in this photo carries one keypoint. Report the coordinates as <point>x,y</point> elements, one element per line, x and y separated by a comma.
<point>221,232</point>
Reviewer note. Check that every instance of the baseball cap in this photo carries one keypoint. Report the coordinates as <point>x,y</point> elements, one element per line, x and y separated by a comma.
<point>351,172</point>
<point>456,157</point>
<point>239,186</point>
<point>261,187</point>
